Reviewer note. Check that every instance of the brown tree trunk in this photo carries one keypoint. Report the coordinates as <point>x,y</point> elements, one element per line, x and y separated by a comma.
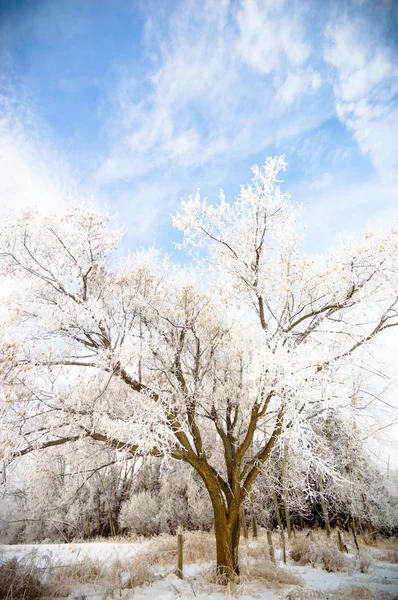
<point>227,548</point>
<point>227,524</point>
<point>324,507</point>
<point>254,527</point>
<point>244,524</point>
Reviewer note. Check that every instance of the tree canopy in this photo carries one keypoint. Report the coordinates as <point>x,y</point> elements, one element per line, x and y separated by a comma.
<point>215,362</point>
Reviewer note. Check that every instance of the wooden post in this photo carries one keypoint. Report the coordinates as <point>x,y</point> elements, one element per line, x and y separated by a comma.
<point>270,546</point>
<point>180,565</point>
<point>311,536</point>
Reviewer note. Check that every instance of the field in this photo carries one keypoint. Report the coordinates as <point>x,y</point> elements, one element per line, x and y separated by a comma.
<point>144,569</point>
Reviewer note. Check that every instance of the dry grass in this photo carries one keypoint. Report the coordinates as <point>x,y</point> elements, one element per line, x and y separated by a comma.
<point>162,550</point>
<point>390,556</point>
<point>86,571</point>
<point>22,581</point>
<point>300,551</point>
<point>262,575</point>
<point>359,592</point>
<point>136,572</point>
<point>354,592</point>
<point>199,546</point>
<point>390,543</point>
<point>115,575</point>
<point>265,571</point>
<point>305,552</point>
<point>258,551</point>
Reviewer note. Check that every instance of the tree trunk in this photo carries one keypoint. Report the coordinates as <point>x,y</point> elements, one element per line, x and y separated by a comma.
<point>277,511</point>
<point>227,524</point>
<point>324,507</point>
<point>244,524</point>
<point>271,546</point>
<point>254,527</point>
<point>354,533</point>
<point>284,489</point>
<point>227,548</point>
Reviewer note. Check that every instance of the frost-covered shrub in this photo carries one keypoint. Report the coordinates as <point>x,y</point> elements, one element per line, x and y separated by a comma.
<point>300,551</point>
<point>305,552</point>
<point>365,562</point>
<point>182,499</point>
<point>332,559</point>
<point>140,514</point>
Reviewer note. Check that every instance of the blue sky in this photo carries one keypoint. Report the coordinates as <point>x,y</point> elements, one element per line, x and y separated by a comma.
<point>139,103</point>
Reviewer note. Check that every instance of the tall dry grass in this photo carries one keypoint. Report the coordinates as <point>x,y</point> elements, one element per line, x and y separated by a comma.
<point>23,581</point>
<point>355,592</point>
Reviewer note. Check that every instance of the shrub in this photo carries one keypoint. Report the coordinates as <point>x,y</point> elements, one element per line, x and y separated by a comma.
<point>300,551</point>
<point>365,562</point>
<point>332,559</point>
<point>305,552</point>
<point>140,514</point>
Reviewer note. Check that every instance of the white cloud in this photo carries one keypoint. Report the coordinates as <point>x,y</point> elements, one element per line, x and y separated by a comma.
<point>298,83</point>
<point>203,100</point>
<point>366,81</point>
<point>30,172</point>
<point>202,107</point>
<point>268,33</point>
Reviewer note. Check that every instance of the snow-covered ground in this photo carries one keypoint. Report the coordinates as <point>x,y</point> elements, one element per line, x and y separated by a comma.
<point>71,553</point>
<point>315,582</point>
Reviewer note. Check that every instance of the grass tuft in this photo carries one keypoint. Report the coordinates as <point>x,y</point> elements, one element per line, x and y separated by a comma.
<point>21,580</point>
<point>305,552</point>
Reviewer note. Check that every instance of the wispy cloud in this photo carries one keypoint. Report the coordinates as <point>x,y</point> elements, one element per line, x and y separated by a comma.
<point>31,172</point>
<point>268,34</point>
<point>365,87</point>
<point>219,82</point>
<point>199,92</point>
<point>216,88</point>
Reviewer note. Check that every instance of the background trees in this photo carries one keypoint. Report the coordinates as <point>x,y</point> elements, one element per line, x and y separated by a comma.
<point>219,364</point>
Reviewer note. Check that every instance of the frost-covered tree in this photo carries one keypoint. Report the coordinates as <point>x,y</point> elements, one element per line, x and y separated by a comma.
<point>201,363</point>
<point>71,491</point>
<point>166,496</point>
